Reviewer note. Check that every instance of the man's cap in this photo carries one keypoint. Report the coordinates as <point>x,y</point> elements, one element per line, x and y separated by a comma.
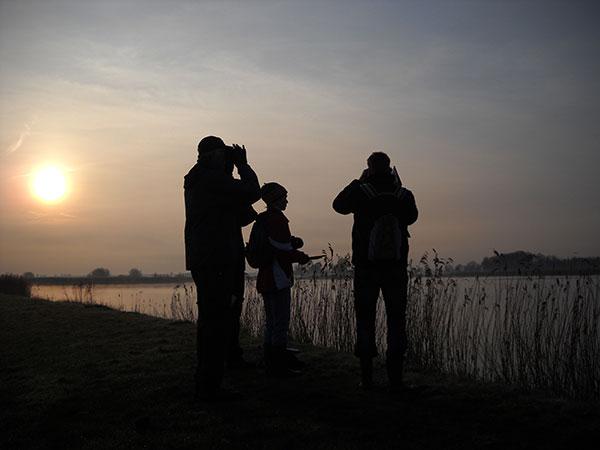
<point>271,192</point>
<point>210,143</point>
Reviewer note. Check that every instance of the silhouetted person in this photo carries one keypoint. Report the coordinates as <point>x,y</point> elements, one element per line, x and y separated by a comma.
<point>214,200</point>
<point>382,210</point>
<point>275,279</point>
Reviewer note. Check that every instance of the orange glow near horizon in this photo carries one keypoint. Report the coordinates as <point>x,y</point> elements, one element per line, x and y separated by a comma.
<point>49,184</point>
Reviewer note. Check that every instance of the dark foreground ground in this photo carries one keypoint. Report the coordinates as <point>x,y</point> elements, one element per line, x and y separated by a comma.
<point>76,376</point>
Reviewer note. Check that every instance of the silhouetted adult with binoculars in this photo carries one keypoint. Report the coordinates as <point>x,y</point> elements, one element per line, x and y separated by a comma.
<point>382,210</point>
<point>217,205</point>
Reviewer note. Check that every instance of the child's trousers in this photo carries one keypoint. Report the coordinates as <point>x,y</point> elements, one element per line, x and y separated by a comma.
<point>277,317</point>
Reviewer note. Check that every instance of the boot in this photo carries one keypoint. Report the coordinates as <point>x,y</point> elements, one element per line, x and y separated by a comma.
<point>268,356</point>
<point>395,374</point>
<point>293,362</point>
<point>279,364</point>
<point>218,394</point>
<point>366,373</point>
<point>239,363</point>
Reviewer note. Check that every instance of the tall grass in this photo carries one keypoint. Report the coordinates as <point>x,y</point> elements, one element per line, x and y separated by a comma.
<point>534,332</point>
<point>82,292</point>
<point>183,303</point>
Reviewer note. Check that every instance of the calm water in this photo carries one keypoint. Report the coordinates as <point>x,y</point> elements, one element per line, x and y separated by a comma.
<point>151,299</point>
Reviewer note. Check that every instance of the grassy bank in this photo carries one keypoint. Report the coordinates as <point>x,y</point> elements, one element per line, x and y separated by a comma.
<point>81,376</point>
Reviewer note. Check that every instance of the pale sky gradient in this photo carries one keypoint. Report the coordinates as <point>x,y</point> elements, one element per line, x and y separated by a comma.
<point>490,111</point>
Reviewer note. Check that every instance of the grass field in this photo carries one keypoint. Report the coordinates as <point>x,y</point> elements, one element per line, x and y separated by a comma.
<point>83,376</point>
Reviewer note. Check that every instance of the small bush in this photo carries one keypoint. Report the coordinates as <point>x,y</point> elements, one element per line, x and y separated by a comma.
<point>14,285</point>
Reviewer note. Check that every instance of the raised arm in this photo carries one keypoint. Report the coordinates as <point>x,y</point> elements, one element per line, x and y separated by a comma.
<point>213,172</point>
<point>408,206</point>
<point>244,191</point>
<point>346,201</point>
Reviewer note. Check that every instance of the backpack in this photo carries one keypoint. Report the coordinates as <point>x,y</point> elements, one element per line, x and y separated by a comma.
<point>258,249</point>
<point>385,239</point>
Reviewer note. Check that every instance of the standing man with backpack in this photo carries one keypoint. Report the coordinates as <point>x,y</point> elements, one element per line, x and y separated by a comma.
<point>383,210</point>
<point>215,203</point>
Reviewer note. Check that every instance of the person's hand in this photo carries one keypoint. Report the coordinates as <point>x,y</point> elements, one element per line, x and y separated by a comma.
<point>364,175</point>
<point>297,242</point>
<point>239,155</point>
<point>303,258</point>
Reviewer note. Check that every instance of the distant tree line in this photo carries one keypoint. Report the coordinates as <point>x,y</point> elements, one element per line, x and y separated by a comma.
<point>513,263</point>
<point>526,263</point>
<point>102,275</point>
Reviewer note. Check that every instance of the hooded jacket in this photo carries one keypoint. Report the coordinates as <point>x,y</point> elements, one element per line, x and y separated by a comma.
<point>354,199</point>
<point>216,207</point>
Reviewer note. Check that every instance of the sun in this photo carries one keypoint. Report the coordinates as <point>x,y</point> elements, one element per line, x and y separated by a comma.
<point>49,184</point>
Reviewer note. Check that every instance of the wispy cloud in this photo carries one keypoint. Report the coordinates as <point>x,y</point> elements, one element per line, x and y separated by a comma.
<point>37,216</point>
<point>22,137</point>
<point>17,144</point>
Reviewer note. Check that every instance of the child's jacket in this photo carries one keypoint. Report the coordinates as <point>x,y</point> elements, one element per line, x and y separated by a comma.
<point>279,274</point>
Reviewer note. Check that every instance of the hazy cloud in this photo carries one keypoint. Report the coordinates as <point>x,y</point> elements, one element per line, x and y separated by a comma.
<point>17,144</point>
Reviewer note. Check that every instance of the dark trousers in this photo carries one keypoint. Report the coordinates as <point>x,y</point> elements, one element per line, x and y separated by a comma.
<point>277,317</point>
<point>214,290</point>
<point>392,281</point>
<point>234,350</point>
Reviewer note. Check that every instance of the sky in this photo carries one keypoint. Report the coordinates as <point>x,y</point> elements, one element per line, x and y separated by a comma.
<point>488,109</point>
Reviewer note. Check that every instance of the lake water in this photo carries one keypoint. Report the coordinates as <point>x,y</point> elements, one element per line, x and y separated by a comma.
<point>152,299</point>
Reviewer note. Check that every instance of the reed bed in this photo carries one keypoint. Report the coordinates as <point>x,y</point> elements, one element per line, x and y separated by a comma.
<point>81,292</point>
<point>183,303</point>
<point>536,332</point>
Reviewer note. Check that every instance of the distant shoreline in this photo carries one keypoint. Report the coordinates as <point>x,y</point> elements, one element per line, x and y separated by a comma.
<point>51,281</point>
<point>58,281</point>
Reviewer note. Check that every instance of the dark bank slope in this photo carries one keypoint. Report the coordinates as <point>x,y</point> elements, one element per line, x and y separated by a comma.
<point>77,376</point>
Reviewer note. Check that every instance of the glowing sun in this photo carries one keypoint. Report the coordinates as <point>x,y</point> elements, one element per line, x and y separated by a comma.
<point>49,184</point>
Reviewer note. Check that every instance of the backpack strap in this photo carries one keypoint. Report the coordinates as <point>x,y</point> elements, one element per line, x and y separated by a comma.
<point>399,192</point>
<point>369,190</point>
